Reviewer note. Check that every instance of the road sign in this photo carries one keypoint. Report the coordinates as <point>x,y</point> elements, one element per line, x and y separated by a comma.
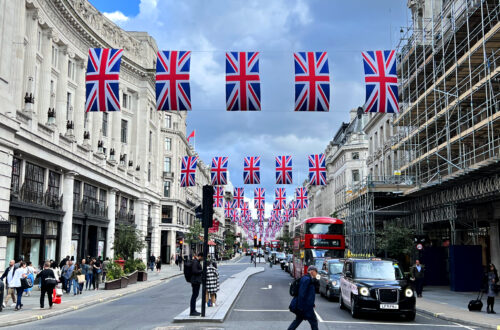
<point>420,246</point>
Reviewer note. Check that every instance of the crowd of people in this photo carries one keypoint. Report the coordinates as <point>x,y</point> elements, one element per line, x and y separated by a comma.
<point>63,277</point>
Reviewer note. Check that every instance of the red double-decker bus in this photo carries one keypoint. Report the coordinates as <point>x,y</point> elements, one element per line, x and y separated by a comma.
<point>275,245</point>
<point>316,239</point>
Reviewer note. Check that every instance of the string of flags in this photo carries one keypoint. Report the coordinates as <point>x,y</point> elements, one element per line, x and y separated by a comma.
<point>243,90</point>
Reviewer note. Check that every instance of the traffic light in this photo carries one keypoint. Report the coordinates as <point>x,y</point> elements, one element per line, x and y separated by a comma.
<point>255,240</point>
<point>199,212</point>
<point>180,242</point>
<point>208,206</point>
<point>260,242</point>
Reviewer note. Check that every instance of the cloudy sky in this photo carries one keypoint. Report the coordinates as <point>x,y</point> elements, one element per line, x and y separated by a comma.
<point>276,28</point>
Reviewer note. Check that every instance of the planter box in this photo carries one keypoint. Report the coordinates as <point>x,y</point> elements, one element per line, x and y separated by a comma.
<point>132,278</point>
<point>124,282</point>
<point>142,276</point>
<point>113,285</point>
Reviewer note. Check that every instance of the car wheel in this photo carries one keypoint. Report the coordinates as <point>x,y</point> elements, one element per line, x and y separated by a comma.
<point>354,309</point>
<point>321,292</point>
<point>410,316</point>
<point>341,301</point>
<point>328,294</point>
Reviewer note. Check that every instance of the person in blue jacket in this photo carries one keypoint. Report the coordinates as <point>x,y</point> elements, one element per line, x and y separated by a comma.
<point>303,305</point>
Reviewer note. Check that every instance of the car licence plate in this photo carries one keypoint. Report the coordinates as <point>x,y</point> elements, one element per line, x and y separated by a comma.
<point>389,306</point>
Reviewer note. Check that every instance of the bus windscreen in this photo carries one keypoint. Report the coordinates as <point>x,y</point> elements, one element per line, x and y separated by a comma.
<point>324,229</point>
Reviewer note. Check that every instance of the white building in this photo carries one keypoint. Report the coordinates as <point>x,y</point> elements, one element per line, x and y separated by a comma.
<point>68,177</point>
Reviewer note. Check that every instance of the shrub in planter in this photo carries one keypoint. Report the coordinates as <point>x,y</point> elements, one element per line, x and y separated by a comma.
<point>132,278</point>
<point>130,266</point>
<point>139,265</point>
<point>114,272</point>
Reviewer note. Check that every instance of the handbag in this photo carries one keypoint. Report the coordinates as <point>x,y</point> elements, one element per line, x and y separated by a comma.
<point>26,283</point>
<point>81,278</point>
<point>59,292</point>
<point>50,281</point>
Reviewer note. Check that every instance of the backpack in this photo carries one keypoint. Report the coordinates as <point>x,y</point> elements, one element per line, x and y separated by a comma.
<point>188,270</point>
<point>294,288</point>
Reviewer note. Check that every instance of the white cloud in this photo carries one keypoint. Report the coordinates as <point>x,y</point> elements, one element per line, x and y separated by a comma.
<point>117,16</point>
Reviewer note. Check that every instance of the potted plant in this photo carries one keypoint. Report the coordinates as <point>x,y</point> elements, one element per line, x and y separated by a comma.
<point>131,271</point>
<point>113,277</point>
<point>142,275</point>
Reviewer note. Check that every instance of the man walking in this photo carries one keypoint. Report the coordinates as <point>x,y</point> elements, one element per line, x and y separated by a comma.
<point>303,304</point>
<point>9,274</point>
<point>196,271</point>
<point>152,260</point>
<point>417,275</point>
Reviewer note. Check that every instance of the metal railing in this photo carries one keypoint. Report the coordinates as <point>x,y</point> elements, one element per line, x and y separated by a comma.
<point>48,199</point>
<point>92,207</point>
<point>125,217</point>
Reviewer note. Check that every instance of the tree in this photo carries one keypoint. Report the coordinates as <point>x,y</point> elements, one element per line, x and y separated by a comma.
<point>194,233</point>
<point>229,239</point>
<point>245,245</point>
<point>286,238</point>
<point>395,241</point>
<point>128,240</point>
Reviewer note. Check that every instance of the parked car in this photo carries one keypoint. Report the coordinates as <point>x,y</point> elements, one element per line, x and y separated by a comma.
<point>329,282</point>
<point>284,264</point>
<point>284,261</point>
<point>290,267</point>
<point>378,286</point>
<point>279,257</point>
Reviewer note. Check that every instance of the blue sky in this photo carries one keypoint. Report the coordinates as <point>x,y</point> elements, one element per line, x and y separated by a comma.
<point>276,28</point>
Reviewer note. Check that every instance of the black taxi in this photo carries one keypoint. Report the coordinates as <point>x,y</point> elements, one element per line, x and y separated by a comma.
<point>376,285</point>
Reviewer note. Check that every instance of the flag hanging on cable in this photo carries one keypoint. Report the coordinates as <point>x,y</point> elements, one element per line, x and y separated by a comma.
<point>239,194</point>
<point>301,198</point>
<point>188,171</point>
<point>312,81</point>
<point>280,197</point>
<point>218,196</point>
<point>227,209</point>
<point>102,80</point>
<point>381,80</point>
<point>284,170</point>
<point>173,91</point>
<point>259,198</point>
<point>218,172</point>
<point>242,81</point>
<point>317,170</point>
<point>251,170</point>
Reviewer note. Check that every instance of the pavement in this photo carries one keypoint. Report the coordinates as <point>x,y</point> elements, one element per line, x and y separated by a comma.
<point>445,304</point>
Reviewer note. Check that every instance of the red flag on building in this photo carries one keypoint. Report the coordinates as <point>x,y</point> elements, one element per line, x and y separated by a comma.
<point>192,135</point>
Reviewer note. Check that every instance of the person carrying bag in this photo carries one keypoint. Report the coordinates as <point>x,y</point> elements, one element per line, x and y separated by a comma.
<point>48,283</point>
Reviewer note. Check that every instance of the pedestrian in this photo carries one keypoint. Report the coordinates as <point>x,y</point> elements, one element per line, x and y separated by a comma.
<point>251,258</point>
<point>196,272</point>
<point>8,274</point>
<point>417,275</point>
<point>179,261</point>
<point>89,281</point>
<point>67,272</point>
<point>212,284</point>
<point>152,260</point>
<point>21,272</point>
<point>303,304</point>
<point>48,282</point>
<point>491,279</point>
<point>158,264</point>
<point>97,273</point>
<point>85,269</point>
<point>105,265</point>
<point>31,276</point>
<point>75,279</point>
<point>63,262</point>
<point>57,271</point>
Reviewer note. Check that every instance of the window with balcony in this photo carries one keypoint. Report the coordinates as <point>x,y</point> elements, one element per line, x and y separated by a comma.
<point>16,173</point>
<point>89,202</point>
<point>34,181</point>
<point>167,162</point>
<point>76,195</point>
<point>168,144</point>
<point>166,189</point>
<point>54,184</point>
<point>124,131</point>
<point>166,213</point>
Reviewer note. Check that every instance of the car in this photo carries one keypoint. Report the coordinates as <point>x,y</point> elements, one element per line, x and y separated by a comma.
<point>279,257</point>
<point>329,282</point>
<point>272,256</point>
<point>376,285</point>
<point>248,252</point>
<point>290,267</point>
<point>284,264</point>
<point>283,261</point>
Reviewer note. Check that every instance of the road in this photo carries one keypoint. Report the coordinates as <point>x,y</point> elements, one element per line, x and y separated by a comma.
<point>262,304</point>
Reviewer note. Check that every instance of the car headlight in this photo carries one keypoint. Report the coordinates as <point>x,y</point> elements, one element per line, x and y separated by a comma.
<point>364,291</point>
<point>409,292</point>
<point>334,283</point>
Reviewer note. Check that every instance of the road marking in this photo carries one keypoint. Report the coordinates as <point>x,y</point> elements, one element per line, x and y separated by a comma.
<point>395,323</point>
<point>318,316</point>
<point>261,310</point>
<point>269,287</point>
<point>463,326</point>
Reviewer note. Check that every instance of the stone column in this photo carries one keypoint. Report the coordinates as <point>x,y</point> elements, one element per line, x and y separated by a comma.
<point>30,57</point>
<point>156,234</point>
<point>172,242</point>
<point>141,222</point>
<point>110,233</point>
<point>62,90</point>
<point>67,205</point>
<point>79,104</point>
<point>43,87</point>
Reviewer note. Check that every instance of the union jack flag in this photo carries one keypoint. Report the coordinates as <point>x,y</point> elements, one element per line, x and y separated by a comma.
<point>242,81</point>
<point>218,172</point>
<point>317,170</point>
<point>173,91</point>
<point>301,197</point>
<point>312,81</point>
<point>251,170</point>
<point>284,170</point>
<point>292,207</point>
<point>245,208</point>
<point>280,196</point>
<point>260,216</point>
<point>239,194</point>
<point>101,81</point>
<point>259,198</point>
<point>188,171</point>
<point>381,81</point>
<point>228,206</point>
<point>218,196</point>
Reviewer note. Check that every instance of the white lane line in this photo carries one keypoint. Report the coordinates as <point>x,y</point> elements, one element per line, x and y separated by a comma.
<point>261,310</point>
<point>319,317</point>
<point>463,326</point>
<point>395,323</point>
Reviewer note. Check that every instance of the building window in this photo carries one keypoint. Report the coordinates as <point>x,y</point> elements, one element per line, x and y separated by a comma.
<point>54,184</point>
<point>76,194</point>
<point>126,101</point>
<point>151,113</point>
<point>39,41</point>
<point>355,175</point>
<point>71,70</point>
<point>104,124</point>
<point>150,141</point>
<point>51,228</point>
<point>89,194</point>
<point>167,164</point>
<point>123,205</point>
<point>168,121</point>
<point>168,144</point>
<point>69,105</point>
<point>34,178</point>
<point>124,131</point>
<point>103,196</point>
<point>55,56</point>
<point>166,214</point>
<point>166,189</point>
<point>355,155</point>
<point>32,226</point>
<point>131,206</point>
<point>16,173</point>
<point>149,171</point>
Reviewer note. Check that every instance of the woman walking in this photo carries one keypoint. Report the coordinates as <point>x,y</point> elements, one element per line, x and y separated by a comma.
<point>74,278</point>
<point>48,282</point>
<point>212,284</point>
<point>19,273</point>
<point>31,275</point>
<point>491,277</point>
<point>158,264</point>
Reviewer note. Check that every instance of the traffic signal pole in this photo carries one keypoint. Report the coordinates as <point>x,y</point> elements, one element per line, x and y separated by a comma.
<point>207,204</point>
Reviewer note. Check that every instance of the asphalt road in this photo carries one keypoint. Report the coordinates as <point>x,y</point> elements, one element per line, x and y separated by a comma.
<point>262,304</point>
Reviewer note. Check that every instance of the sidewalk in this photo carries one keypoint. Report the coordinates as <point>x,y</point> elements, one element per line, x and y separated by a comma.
<point>31,310</point>
<point>449,305</point>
